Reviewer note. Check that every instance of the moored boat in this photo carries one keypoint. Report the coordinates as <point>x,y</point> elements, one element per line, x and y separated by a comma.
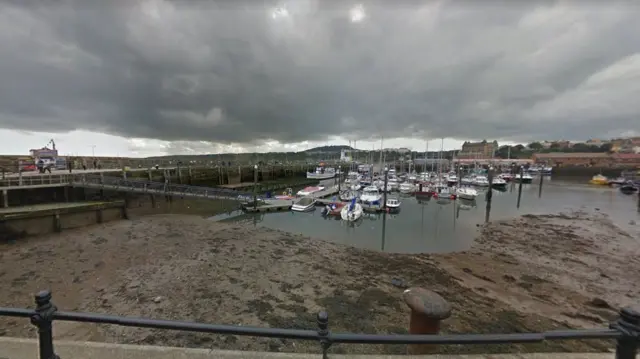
<point>498,183</point>
<point>333,209</point>
<point>322,173</point>
<point>305,204</point>
<point>467,193</point>
<point>599,180</point>
<point>308,191</point>
<point>393,203</point>
<point>524,178</point>
<point>351,212</point>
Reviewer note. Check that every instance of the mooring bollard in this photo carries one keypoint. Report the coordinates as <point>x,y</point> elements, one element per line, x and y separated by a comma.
<point>428,309</point>
<point>629,325</point>
<point>323,332</point>
<point>43,320</point>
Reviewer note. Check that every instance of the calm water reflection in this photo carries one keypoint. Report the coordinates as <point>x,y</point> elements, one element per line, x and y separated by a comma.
<point>429,226</point>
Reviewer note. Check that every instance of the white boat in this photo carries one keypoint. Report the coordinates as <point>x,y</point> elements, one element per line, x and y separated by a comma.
<point>407,187</point>
<point>308,191</point>
<point>506,176</point>
<point>525,178</point>
<point>481,181</point>
<point>393,203</point>
<point>322,173</point>
<point>393,184</point>
<point>452,179</point>
<point>355,187</point>
<point>351,212</point>
<point>348,195</point>
<point>305,204</point>
<point>499,183</point>
<point>468,180</point>
<point>467,193</point>
<point>371,195</point>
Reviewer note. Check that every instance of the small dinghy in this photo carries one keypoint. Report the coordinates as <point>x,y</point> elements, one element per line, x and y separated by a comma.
<point>352,212</point>
<point>333,209</point>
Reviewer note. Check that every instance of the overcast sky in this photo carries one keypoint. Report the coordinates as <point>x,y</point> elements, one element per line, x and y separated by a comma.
<point>153,77</point>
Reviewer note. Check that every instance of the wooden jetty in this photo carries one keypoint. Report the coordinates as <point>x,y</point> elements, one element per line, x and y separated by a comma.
<point>276,205</point>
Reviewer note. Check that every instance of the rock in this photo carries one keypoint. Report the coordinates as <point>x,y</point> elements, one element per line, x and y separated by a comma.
<point>509,278</point>
<point>467,270</point>
<point>157,299</point>
<point>133,284</point>
<point>399,283</point>
<point>632,222</point>
<point>599,303</point>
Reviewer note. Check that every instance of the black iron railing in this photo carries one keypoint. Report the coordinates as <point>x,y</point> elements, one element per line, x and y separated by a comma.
<point>625,330</point>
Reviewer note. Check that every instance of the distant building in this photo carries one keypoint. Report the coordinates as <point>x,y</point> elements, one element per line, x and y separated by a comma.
<point>482,149</point>
<point>560,159</point>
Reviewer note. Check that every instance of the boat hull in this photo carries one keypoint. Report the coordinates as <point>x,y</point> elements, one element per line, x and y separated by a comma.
<point>320,176</point>
<point>352,215</point>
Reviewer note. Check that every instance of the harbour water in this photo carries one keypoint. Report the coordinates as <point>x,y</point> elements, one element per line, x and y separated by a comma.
<point>431,227</point>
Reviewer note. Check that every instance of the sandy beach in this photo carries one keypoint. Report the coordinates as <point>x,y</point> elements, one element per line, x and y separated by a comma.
<point>528,274</point>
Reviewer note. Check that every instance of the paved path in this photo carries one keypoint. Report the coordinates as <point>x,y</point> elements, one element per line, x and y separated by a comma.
<point>15,348</point>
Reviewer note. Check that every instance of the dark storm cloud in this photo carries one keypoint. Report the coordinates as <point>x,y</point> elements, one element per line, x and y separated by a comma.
<point>238,73</point>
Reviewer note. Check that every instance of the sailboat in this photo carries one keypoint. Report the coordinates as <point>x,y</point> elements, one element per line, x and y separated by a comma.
<point>352,212</point>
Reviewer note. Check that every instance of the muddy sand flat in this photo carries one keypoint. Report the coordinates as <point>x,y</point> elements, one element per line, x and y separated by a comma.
<point>529,274</point>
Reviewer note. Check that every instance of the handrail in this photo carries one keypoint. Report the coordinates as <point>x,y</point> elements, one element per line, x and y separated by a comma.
<point>626,330</point>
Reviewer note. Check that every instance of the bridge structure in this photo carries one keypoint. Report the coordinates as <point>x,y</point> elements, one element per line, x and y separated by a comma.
<point>122,184</point>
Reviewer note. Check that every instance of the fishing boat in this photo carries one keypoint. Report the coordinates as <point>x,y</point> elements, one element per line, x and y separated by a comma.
<point>333,209</point>
<point>599,180</point>
<point>467,193</point>
<point>481,181</point>
<point>351,212</point>
<point>524,178</point>
<point>308,191</point>
<point>393,204</point>
<point>371,195</point>
<point>305,204</point>
<point>498,183</point>
<point>407,188</point>
<point>322,173</point>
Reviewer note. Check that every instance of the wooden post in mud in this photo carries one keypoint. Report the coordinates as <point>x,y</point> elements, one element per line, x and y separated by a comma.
<point>540,186</point>
<point>520,185</point>
<point>428,309</point>
<point>255,186</point>
<point>489,196</point>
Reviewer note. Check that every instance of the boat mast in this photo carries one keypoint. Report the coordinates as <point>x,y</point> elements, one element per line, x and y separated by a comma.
<point>381,168</point>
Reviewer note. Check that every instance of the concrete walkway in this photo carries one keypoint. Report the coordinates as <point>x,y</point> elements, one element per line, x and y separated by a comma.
<point>18,348</point>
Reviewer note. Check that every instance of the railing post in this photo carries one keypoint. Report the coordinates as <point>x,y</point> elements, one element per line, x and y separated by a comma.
<point>43,319</point>
<point>629,325</point>
<point>323,332</point>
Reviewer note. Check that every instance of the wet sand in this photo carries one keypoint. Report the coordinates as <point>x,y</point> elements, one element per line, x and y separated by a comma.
<point>529,274</point>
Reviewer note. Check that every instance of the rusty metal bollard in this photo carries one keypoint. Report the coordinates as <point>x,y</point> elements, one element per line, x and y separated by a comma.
<point>428,309</point>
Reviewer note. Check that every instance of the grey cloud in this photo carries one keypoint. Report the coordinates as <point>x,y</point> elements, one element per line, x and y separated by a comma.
<point>225,73</point>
